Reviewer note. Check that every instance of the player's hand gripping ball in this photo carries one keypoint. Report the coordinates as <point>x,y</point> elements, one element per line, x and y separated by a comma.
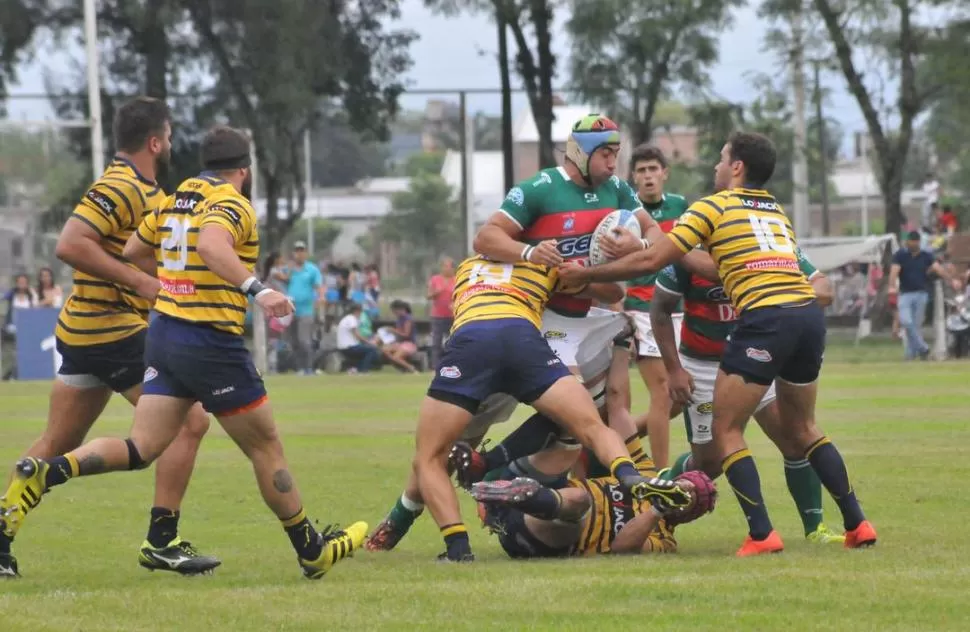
<point>703,497</point>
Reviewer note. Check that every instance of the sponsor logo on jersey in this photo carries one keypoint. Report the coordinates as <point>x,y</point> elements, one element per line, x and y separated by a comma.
<point>717,294</point>
<point>150,374</point>
<point>102,201</point>
<point>184,204</point>
<point>516,196</point>
<point>758,355</point>
<point>706,408</point>
<point>450,372</point>
<point>574,246</point>
<point>554,335</point>
<point>760,205</point>
<point>544,178</point>
<point>568,224</point>
<point>591,197</point>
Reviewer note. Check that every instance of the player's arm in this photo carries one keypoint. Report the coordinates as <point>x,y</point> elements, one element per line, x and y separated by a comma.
<point>671,284</point>
<point>500,238</point>
<point>633,536</point>
<point>603,292</point>
<point>894,269</point>
<point>820,283</point>
<point>140,249</point>
<point>699,262</point>
<point>102,212</point>
<point>223,227</point>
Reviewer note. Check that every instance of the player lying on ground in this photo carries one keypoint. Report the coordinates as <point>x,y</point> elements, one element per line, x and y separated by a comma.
<point>206,245</point>
<point>534,437</point>
<point>586,517</point>
<point>692,367</point>
<point>496,347</point>
<point>100,332</point>
<point>779,337</point>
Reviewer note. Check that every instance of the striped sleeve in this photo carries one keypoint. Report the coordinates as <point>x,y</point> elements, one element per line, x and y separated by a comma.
<point>697,224</point>
<point>108,208</point>
<point>235,215</point>
<point>148,228</point>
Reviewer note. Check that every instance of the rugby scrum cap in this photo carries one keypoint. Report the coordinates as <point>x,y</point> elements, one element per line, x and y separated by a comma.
<point>225,148</point>
<point>588,134</point>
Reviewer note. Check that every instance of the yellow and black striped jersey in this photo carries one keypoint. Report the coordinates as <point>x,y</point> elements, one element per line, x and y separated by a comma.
<point>486,290</point>
<point>190,291</point>
<point>752,242</point>
<point>611,508</point>
<point>98,311</point>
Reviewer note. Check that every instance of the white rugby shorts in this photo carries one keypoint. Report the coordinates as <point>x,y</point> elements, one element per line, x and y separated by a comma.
<point>645,340</point>
<point>699,414</point>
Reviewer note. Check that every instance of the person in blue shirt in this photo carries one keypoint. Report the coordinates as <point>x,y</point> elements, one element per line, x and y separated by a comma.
<point>911,268</point>
<point>304,290</point>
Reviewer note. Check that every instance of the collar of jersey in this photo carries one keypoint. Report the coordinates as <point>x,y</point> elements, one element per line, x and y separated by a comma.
<point>134,169</point>
<point>748,191</point>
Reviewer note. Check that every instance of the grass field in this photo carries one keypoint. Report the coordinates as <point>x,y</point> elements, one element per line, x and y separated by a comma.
<point>902,428</point>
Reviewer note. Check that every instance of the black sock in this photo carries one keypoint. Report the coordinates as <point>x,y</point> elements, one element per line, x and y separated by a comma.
<point>622,467</point>
<point>62,469</point>
<point>828,464</point>
<point>163,527</point>
<point>456,541</point>
<point>742,475</point>
<point>544,505</point>
<point>4,544</point>
<point>303,537</point>
<point>532,436</point>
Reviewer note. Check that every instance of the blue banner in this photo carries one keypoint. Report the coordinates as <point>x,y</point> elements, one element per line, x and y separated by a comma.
<point>37,356</point>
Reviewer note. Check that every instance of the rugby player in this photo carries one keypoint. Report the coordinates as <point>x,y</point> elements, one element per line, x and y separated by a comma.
<point>779,337</point>
<point>692,363</point>
<point>100,333</point>
<point>650,172</point>
<point>551,218</point>
<point>496,347</point>
<point>205,244</point>
<point>594,516</point>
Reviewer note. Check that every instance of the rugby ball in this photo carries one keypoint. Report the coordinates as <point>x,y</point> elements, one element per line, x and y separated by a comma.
<point>613,221</point>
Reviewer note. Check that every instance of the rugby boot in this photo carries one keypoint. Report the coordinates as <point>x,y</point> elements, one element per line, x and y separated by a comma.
<point>660,493</point>
<point>862,536</point>
<point>468,464</point>
<point>508,492</point>
<point>8,566</point>
<point>24,493</point>
<point>771,544</point>
<point>337,544</point>
<point>385,537</point>
<point>177,556</point>
<point>823,535</point>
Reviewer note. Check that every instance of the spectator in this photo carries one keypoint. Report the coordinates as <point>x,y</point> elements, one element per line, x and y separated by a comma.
<point>353,344</point>
<point>275,275</point>
<point>373,283</point>
<point>932,190</point>
<point>440,288</point>
<point>304,290</point>
<point>357,281</point>
<point>851,290</point>
<point>911,267</point>
<point>946,221</point>
<point>22,296</point>
<point>404,345</point>
<point>331,284</point>
<point>49,294</point>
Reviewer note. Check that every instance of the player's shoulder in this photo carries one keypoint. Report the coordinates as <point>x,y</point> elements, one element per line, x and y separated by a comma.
<point>676,201</point>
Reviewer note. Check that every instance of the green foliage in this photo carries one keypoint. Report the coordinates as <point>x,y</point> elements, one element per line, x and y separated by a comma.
<point>36,170</point>
<point>423,163</point>
<point>626,57</point>
<point>877,226</point>
<point>426,222</point>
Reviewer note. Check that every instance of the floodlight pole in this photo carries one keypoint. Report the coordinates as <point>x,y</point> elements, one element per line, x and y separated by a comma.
<point>94,87</point>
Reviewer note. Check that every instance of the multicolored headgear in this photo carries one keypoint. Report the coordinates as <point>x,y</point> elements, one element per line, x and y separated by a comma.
<point>590,133</point>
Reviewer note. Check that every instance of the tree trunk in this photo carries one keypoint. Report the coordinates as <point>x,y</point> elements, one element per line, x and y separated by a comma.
<point>891,183</point>
<point>272,238</point>
<point>155,49</point>
<point>541,19</point>
<point>505,78</point>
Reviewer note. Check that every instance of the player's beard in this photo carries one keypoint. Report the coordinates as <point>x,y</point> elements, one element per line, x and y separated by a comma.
<point>163,162</point>
<point>247,185</point>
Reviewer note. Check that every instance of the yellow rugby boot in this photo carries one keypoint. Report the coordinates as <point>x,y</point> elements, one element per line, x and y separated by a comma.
<point>823,535</point>
<point>337,545</point>
<point>24,493</point>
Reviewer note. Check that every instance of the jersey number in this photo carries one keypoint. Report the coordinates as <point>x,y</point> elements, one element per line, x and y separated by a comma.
<point>771,233</point>
<point>492,273</point>
<point>176,243</point>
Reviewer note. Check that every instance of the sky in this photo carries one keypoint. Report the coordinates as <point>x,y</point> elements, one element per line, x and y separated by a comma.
<point>459,52</point>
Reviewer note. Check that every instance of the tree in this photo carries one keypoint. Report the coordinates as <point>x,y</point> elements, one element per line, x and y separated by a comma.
<point>536,65</point>
<point>426,222</point>
<point>277,63</point>
<point>325,234</point>
<point>878,43</point>
<point>423,163</point>
<point>342,156</point>
<point>948,128</point>
<point>626,56</point>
